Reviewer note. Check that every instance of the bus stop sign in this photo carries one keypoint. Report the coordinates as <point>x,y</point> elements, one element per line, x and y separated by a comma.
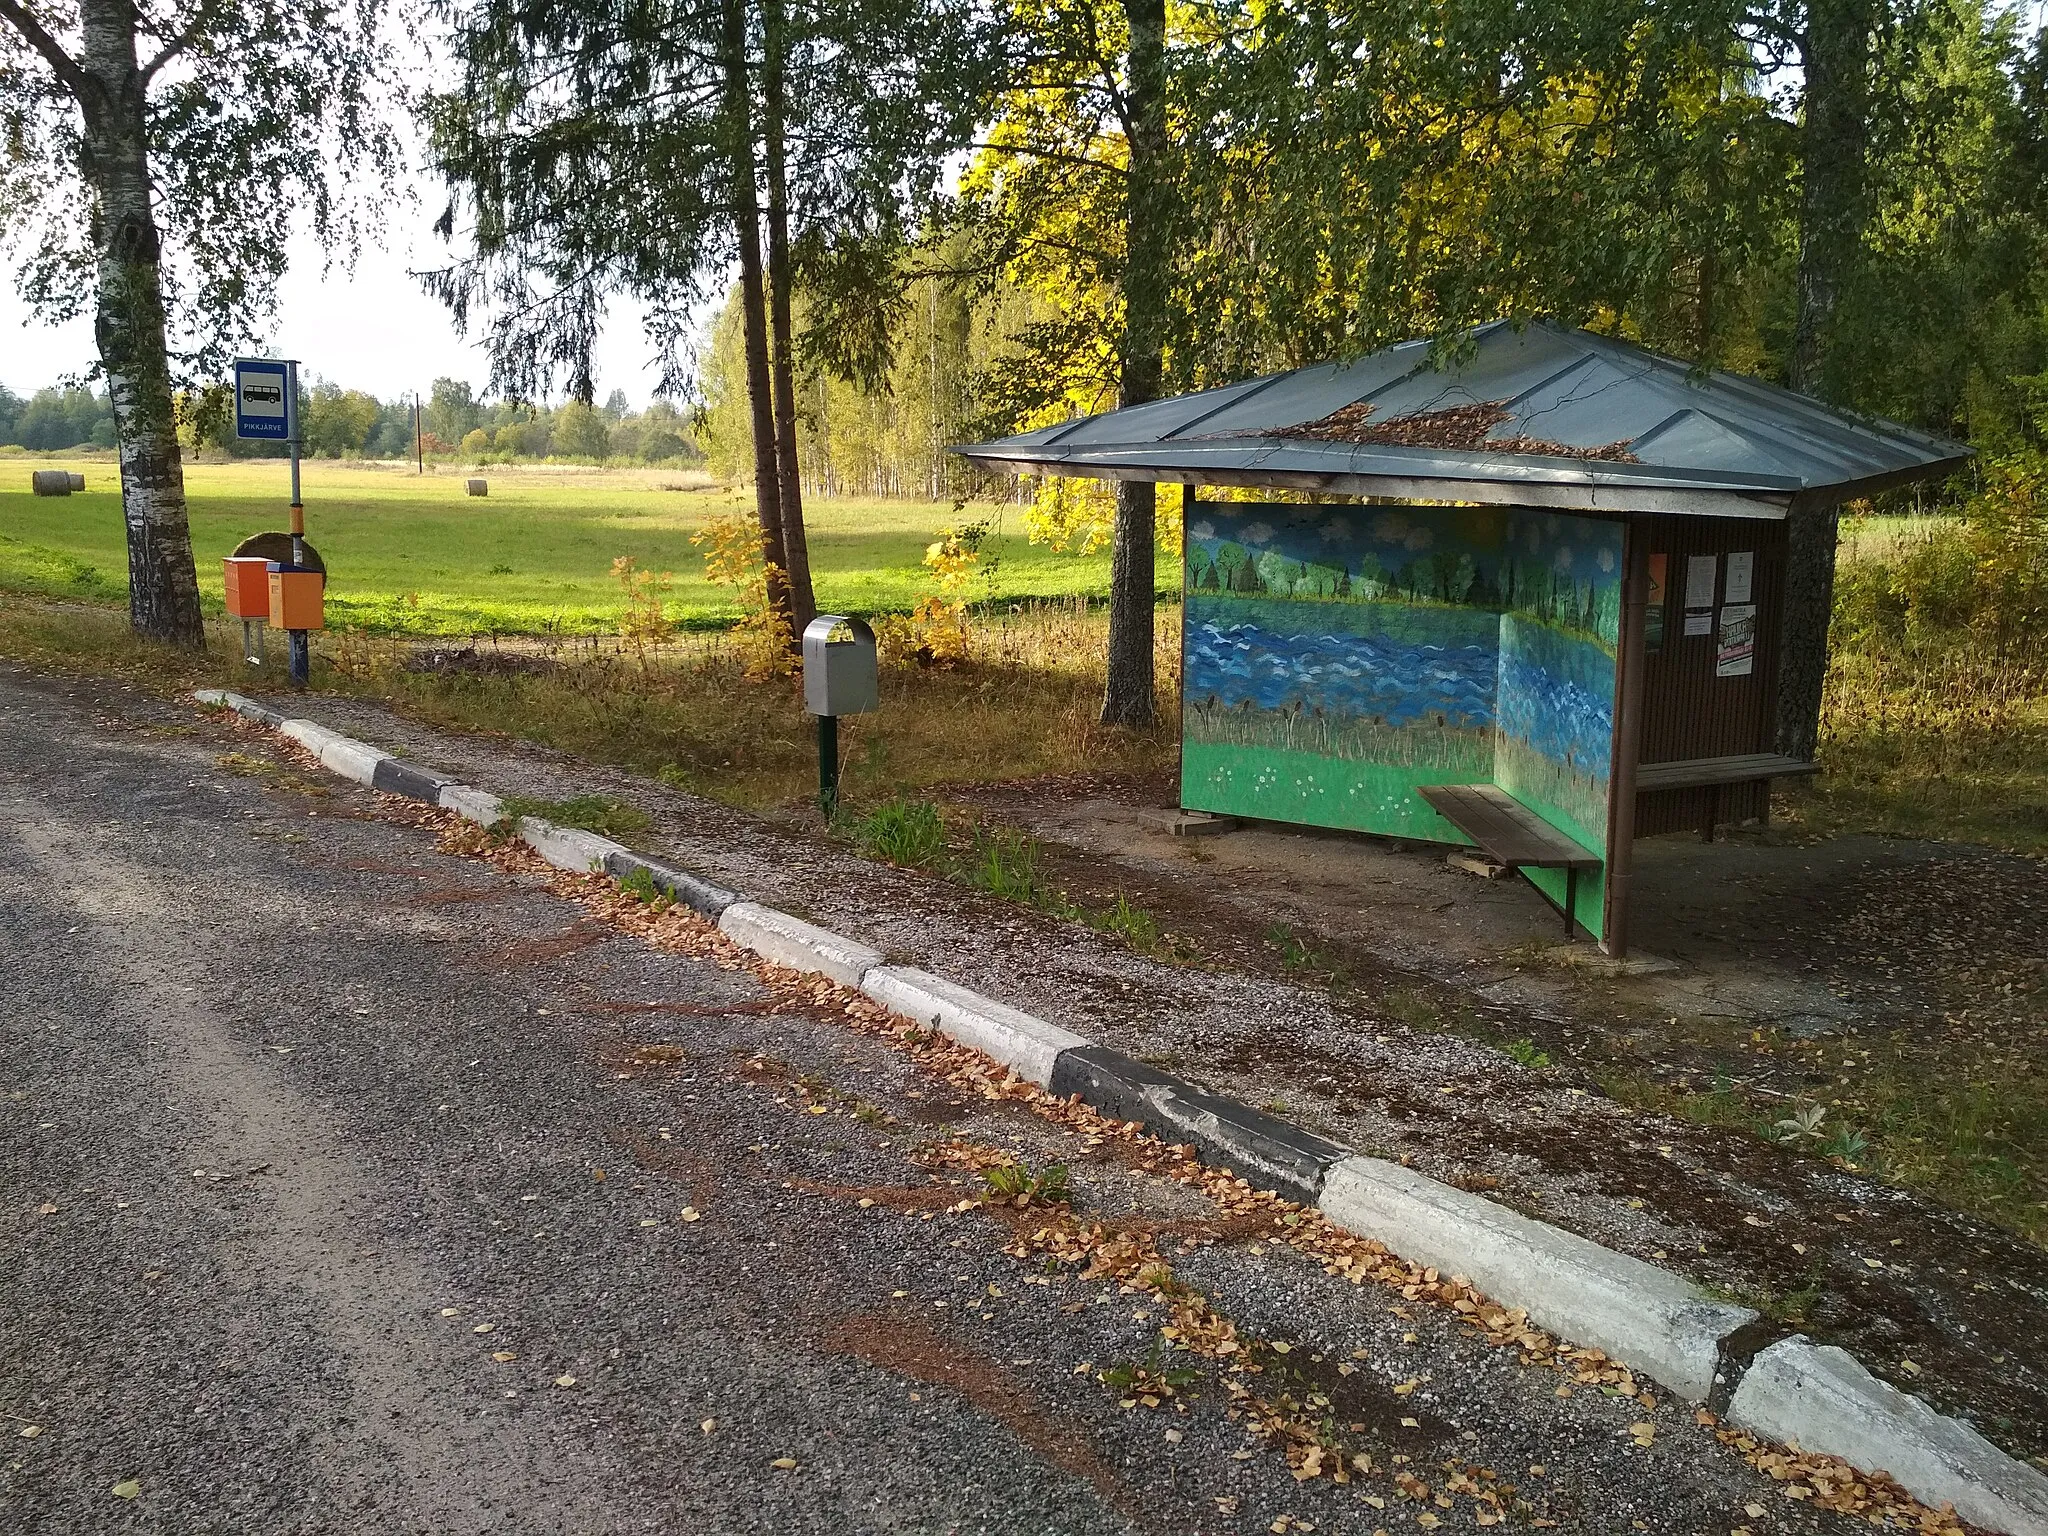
<point>263,399</point>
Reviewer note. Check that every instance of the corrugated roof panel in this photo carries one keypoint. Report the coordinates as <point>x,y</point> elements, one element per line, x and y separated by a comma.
<point>1149,422</point>
<point>1715,437</point>
<point>1590,406</point>
<point>1694,438</point>
<point>1310,394</point>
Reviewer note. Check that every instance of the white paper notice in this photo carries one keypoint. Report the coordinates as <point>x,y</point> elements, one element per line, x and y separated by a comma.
<point>1699,624</point>
<point>1700,571</point>
<point>1741,568</point>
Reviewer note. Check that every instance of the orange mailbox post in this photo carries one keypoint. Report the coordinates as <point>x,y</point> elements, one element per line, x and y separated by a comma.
<point>295,598</point>
<point>247,584</point>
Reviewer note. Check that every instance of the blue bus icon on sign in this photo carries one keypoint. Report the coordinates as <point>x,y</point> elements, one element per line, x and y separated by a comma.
<point>263,399</point>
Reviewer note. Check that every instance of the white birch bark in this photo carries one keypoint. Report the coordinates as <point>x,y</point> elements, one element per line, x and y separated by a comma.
<point>128,323</point>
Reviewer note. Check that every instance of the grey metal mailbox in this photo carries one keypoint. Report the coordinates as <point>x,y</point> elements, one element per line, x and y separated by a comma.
<point>839,679</point>
<point>839,675</point>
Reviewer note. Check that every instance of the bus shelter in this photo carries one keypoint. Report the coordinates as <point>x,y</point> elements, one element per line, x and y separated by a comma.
<point>1528,599</point>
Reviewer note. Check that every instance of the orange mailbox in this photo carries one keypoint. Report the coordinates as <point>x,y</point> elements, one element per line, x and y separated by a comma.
<point>295,598</point>
<point>248,587</point>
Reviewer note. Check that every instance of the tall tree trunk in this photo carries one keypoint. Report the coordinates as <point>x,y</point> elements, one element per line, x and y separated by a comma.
<point>803,605</point>
<point>128,324</point>
<point>1833,210</point>
<point>1127,691</point>
<point>739,115</point>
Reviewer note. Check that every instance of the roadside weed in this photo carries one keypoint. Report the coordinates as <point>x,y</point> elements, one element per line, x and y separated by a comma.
<point>591,813</point>
<point>902,831</point>
<point>1016,1184</point>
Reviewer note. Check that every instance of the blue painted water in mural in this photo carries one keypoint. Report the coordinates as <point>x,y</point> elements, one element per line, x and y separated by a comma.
<point>1397,680</point>
<point>1554,716</point>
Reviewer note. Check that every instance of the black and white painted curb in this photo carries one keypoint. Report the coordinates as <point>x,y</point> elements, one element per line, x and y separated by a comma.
<point>1816,1397</point>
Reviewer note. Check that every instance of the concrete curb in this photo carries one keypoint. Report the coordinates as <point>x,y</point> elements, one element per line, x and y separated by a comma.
<point>353,760</point>
<point>801,946</point>
<point>479,806</point>
<point>1028,1046</point>
<point>700,896</point>
<point>1631,1310</point>
<point>396,778</point>
<point>1817,1397</point>
<point>249,709</point>
<point>1266,1151</point>
<point>570,848</point>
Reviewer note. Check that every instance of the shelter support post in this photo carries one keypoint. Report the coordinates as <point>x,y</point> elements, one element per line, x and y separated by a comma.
<point>1628,739</point>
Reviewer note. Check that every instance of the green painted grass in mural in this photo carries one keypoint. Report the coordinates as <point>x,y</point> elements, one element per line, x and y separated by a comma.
<point>1460,755</point>
<point>1278,784</point>
<point>1574,801</point>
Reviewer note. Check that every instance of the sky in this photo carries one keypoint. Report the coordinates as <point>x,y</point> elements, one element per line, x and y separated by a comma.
<point>373,329</point>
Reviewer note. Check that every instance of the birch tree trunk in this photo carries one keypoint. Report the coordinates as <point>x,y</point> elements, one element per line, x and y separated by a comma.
<point>753,313</point>
<point>1833,209</point>
<point>128,323</point>
<point>1127,690</point>
<point>803,604</point>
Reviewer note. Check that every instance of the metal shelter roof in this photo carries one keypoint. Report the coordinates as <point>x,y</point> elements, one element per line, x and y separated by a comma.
<point>1525,409</point>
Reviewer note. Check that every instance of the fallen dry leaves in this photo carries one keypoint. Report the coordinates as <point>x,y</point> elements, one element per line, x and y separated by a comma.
<point>1131,1257</point>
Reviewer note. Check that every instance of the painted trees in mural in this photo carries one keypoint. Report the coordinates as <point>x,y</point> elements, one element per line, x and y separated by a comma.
<point>1340,657</point>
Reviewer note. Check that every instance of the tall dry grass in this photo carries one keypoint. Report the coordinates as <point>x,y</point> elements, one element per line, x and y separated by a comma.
<point>1936,717</point>
<point>698,712</point>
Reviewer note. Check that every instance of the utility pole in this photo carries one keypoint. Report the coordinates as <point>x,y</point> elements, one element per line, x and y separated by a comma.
<point>419,445</point>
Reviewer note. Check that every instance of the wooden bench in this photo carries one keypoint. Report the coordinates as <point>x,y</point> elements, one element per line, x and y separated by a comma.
<point>1506,830</point>
<point>1714,772</point>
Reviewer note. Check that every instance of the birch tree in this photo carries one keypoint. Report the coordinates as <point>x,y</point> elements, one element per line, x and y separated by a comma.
<point>153,153</point>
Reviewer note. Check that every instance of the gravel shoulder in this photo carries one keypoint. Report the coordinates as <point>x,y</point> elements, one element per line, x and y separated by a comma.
<point>1945,1306</point>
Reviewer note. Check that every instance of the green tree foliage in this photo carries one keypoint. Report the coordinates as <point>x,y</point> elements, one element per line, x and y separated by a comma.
<point>338,423</point>
<point>137,140</point>
<point>57,418</point>
<point>451,411</point>
<point>599,151</point>
<point>580,432</point>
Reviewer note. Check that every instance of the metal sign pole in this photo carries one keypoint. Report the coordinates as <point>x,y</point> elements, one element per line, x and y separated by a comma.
<point>300,647</point>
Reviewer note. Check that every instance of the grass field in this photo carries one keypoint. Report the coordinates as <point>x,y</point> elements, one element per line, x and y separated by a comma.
<point>416,555</point>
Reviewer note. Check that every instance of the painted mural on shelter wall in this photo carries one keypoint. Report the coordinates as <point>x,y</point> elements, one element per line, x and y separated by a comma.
<point>1340,657</point>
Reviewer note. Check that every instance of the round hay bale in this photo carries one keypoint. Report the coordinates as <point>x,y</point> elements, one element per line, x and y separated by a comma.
<point>479,487</point>
<point>50,482</point>
<point>77,481</point>
<point>278,547</point>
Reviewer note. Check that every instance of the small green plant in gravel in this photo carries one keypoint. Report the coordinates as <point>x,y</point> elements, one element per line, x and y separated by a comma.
<point>639,885</point>
<point>1152,1377</point>
<point>1803,1124</point>
<point>1847,1143</point>
<point>903,831</point>
<point>591,813</point>
<point>1016,1183</point>
<point>1005,863</point>
<point>1526,1053</point>
<point>1129,922</point>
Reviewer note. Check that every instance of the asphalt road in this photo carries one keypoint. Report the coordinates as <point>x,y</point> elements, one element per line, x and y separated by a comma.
<point>342,1193</point>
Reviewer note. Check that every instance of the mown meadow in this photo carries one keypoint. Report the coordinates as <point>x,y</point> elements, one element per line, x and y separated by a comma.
<point>417,555</point>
